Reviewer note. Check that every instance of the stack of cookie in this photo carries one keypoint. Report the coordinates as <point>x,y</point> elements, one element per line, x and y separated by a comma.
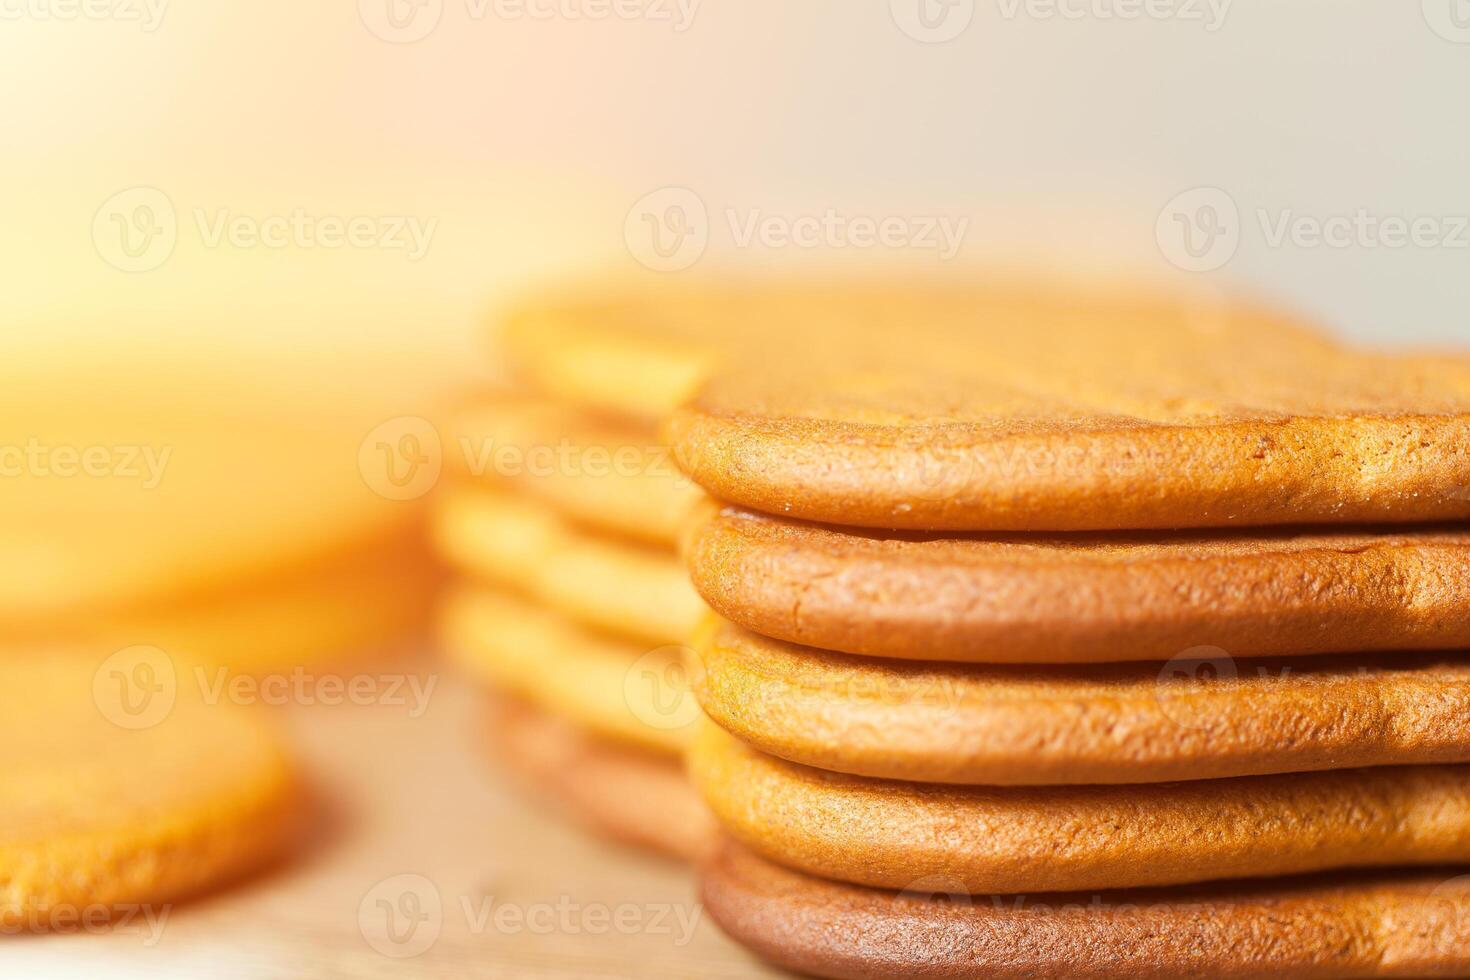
<point>1119,610</point>
<point>573,608</point>
<point>1038,684</point>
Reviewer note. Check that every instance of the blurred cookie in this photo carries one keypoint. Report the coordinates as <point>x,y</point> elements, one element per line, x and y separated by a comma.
<point>124,788</point>
<point>1083,598</point>
<point>619,690</point>
<point>636,797</point>
<point>1380,924</point>
<point>599,471</point>
<point>127,487</point>
<point>1108,723</point>
<point>617,586</point>
<point>1011,839</point>
<point>316,616</point>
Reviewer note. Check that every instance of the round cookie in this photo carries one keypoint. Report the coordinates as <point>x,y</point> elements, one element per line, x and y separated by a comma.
<point>611,585</point>
<point>1070,412</point>
<point>601,472</point>
<point>1083,598</point>
<point>126,484</point>
<point>1062,838</point>
<point>1011,403</point>
<point>1313,928</point>
<point>618,690</point>
<point>1106,723</point>
<point>627,795</point>
<point>119,794</point>
<point>313,616</point>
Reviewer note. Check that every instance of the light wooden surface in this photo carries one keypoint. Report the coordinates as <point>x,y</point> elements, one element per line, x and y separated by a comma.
<point>409,809</point>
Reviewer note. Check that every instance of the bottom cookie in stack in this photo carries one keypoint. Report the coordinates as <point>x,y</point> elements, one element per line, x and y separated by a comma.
<point>1338,925</point>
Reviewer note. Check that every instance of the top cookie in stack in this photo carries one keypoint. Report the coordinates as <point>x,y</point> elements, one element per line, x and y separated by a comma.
<point>969,643</point>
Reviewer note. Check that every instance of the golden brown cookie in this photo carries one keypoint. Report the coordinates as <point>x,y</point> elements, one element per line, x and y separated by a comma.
<point>123,788</point>
<point>518,543</point>
<point>359,601</point>
<point>1200,718</point>
<point>634,694</point>
<point>601,472</point>
<point>1012,404</point>
<point>1013,839</point>
<point>1320,927</point>
<point>632,796</point>
<point>1081,413</point>
<point>1083,598</point>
